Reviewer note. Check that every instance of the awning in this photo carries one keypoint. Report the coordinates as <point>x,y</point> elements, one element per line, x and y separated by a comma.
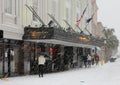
<point>53,41</point>
<point>59,36</point>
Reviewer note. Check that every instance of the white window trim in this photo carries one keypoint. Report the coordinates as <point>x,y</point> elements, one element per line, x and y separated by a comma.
<point>13,14</point>
<point>11,18</point>
<point>4,8</point>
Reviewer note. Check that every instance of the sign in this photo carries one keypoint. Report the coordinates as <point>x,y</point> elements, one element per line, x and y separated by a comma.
<point>38,33</point>
<point>85,39</point>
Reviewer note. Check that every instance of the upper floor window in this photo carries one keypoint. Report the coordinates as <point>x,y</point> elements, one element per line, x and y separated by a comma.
<point>11,7</point>
<point>77,16</point>
<point>35,6</point>
<point>67,14</point>
<point>54,8</point>
<point>8,6</point>
<point>17,7</point>
<point>78,4</point>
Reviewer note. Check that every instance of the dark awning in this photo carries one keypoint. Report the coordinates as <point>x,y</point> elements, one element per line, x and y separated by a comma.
<point>59,36</point>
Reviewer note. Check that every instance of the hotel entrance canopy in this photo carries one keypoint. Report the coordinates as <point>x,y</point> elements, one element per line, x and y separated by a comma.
<point>59,36</point>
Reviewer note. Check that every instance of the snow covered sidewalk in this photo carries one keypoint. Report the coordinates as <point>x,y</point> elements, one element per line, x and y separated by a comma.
<point>108,74</point>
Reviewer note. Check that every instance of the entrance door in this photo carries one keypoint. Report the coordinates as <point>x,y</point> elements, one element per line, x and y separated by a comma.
<point>13,62</point>
<point>8,60</point>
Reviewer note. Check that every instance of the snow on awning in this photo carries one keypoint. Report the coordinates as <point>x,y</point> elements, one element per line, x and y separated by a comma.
<point>53,41</point>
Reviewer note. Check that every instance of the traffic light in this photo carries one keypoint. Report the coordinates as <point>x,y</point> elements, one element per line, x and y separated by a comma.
<point>1,33</point>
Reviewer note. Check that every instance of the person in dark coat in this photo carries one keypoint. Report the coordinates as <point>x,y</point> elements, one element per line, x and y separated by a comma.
<point>92,60</point>
<point>84,58</point>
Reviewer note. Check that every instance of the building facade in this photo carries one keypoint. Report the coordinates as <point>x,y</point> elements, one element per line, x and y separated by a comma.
<point>15,15</point>
<point>18,56</point>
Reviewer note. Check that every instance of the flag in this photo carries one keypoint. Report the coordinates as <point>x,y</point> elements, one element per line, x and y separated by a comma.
<point>78,21</point>
<point>89,19</point>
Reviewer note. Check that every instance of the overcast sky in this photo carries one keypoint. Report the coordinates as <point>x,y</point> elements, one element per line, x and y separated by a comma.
<point>109,14</point>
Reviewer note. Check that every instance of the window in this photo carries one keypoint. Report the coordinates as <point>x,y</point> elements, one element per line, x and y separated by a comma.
<point>12,6</point>
<point>77,16</point>
<point>8,6</point>
<point>17,7</point>
<point>78,4</point>
<point>35,6</point>
<point>54,8</point>
<point>67,14</point>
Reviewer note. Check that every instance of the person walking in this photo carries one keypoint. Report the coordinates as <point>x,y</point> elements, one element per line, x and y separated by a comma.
<point>41,63</point>
<point>96,59</point>
<point>89,58</point>
<point>92,59</point>
<point>84,58</point>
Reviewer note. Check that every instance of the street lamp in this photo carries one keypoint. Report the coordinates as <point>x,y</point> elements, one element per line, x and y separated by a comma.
<point>105,42</point>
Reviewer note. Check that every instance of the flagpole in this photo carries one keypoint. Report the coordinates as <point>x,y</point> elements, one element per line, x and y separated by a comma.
<point>35,14</point>
<point>79,29</point>
<point>69,25</point>
<point>87,29</point>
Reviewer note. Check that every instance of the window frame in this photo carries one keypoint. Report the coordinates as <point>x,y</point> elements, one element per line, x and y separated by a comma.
<point>14,7</point>
<point>36,8</point>
<point>8,6</point>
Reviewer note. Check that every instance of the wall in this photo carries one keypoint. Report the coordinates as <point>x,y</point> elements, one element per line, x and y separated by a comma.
<point>10,23</point>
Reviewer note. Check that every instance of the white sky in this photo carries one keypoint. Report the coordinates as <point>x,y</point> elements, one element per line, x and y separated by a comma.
<point>109,14</point>
<point>107,74</point>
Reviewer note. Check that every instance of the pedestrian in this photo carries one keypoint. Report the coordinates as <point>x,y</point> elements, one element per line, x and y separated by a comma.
<point>92,59</point>
<point>89,58</point>
<point>41,63</point>
<point>96,59</point>
<point>84,58</point>
<point>102,61</point>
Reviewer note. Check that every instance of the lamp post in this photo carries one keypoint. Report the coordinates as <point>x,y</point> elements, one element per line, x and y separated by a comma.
<point>105,48</point>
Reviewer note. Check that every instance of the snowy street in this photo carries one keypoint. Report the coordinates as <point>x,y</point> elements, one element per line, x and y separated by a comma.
<point>108,74</point>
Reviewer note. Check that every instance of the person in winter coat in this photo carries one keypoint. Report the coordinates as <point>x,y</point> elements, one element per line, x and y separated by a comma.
<point>84,58</point>
<point>92,59</point>
<point>41,63</point>
<point>96,58</point>
<point>89,58</point>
